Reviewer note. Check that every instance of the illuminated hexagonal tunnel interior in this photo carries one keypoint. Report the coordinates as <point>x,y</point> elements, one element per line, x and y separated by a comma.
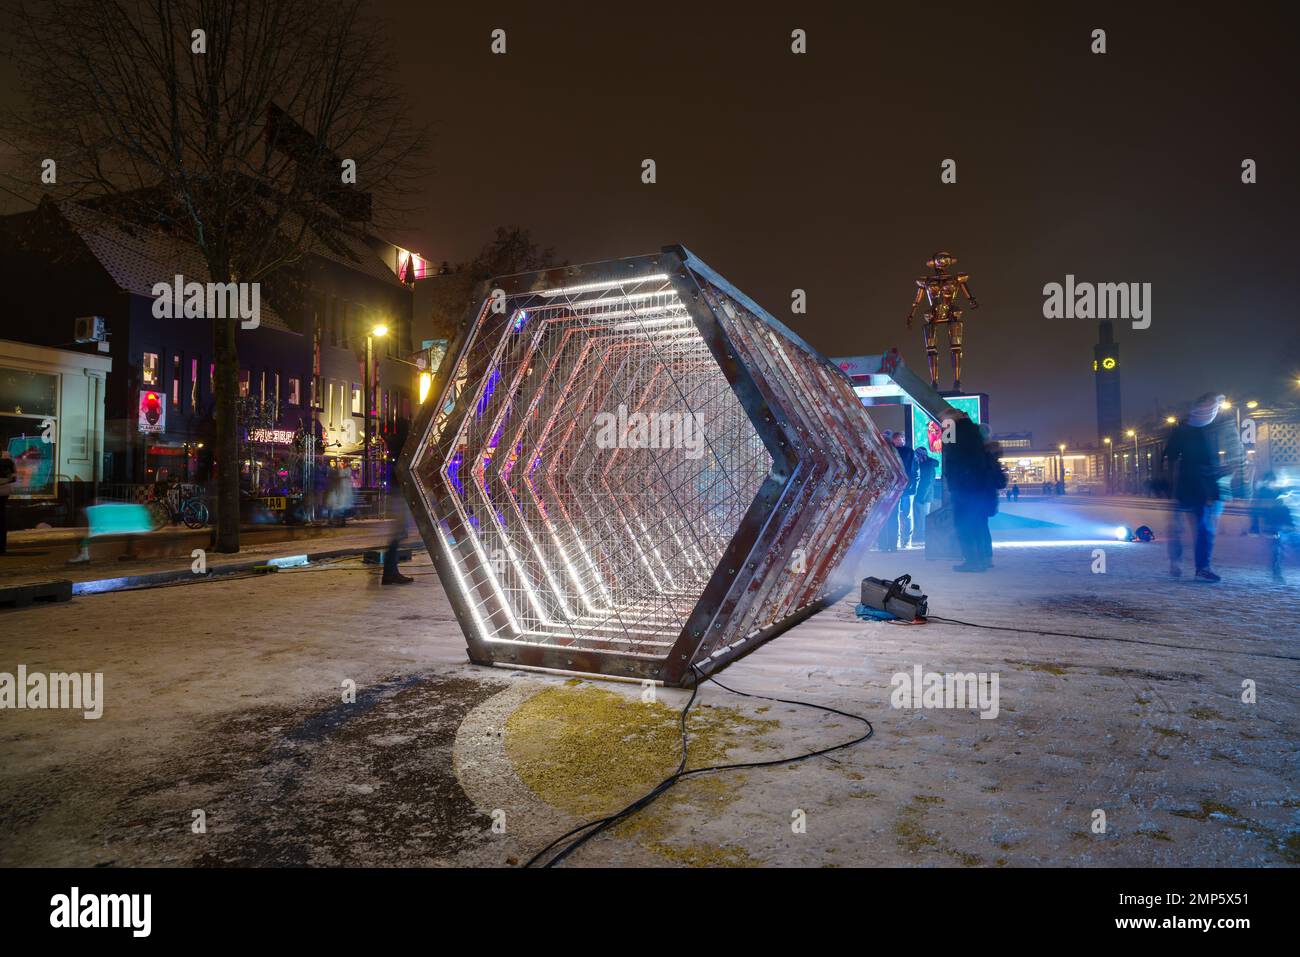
<point>626,469</point>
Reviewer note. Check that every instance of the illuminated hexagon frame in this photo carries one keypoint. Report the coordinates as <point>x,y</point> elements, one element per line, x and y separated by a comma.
<point>560,551</point>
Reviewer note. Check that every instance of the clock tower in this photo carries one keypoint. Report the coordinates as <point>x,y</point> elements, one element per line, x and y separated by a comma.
<point>1105,371</point>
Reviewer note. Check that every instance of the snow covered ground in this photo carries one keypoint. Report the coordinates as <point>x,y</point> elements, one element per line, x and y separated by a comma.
<point>227,698</point>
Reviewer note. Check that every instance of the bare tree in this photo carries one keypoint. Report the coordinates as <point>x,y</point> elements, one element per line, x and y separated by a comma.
<point>511,250</point>
<point>228,122</point>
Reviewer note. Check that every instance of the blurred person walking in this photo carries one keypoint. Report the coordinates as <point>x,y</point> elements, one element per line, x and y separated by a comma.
<point>8,479</point>
<point>1272,513</point>
<point>396,439</point>
<point>1194,458</point>
<point>926,466</point>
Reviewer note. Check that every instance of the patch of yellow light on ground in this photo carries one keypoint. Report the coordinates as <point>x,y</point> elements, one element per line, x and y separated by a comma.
<point>590,751</point>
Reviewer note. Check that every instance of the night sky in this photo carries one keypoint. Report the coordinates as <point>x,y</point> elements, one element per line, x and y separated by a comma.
<point>821,171</point>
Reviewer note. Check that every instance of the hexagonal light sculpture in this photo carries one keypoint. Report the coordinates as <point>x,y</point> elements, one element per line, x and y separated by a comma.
<point>629,468</point>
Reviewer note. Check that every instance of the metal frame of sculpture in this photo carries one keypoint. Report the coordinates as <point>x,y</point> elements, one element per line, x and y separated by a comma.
<point>629,468</point>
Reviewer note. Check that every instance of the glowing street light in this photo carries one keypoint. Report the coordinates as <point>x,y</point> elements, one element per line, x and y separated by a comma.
<point>372,375</point>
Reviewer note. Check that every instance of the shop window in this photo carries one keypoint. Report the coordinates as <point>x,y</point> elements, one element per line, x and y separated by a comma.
<point>244,379</point>
<point>28,393</point>
<point>295,391</point>
<point>176,380</point>
<point>24,436</point>
<point>356,399</point>
<point>194,386</point>
<point>149,369</point>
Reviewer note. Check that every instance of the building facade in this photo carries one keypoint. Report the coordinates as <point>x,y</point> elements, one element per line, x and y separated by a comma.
<point>52,424</point>
<point>302,369</point>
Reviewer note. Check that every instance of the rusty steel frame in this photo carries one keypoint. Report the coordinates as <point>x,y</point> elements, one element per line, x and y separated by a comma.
<point>559,549</point>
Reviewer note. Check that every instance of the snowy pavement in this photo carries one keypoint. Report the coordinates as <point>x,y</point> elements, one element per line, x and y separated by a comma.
<point>1129,746</point>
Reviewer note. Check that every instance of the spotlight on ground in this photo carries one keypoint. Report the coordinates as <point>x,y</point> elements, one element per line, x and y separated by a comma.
<point>1122,534</point>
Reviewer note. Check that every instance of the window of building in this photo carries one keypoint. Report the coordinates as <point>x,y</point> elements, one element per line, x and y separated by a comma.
<point>244,378</point>
<point>356,398</point>
<point>176,380</point>
<point>149,369</point>
<point>295,391</point>
<point>330,407</point>
<point>315,393</point>
<point>28,415</point>
<point>212,378</point>
<point>194,385</point>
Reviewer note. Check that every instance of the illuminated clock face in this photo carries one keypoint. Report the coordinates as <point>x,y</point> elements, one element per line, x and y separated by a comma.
<point>1108,363</point>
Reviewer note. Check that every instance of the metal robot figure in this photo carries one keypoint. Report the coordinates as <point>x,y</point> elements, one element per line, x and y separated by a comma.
<point>940,291</point>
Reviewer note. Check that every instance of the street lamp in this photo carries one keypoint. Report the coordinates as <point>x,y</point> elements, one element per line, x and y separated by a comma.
<point>1108,465</point>
<point>1137,464</point>
<point>372,374</point>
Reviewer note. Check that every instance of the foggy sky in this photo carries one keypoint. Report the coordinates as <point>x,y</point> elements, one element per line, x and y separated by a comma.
<point>821,171</point>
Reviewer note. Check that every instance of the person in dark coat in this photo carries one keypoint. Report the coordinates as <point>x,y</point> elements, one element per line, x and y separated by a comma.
<point>926,465</point>
<point>396,440</point>
<point>908,457</point>
<point>1193,456</point>
<point>973,479</point>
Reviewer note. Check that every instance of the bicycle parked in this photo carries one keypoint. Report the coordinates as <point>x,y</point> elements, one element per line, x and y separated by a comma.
<point>169,505</point>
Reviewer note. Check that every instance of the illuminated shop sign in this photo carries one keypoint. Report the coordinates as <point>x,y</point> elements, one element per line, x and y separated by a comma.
<point>271,436</point>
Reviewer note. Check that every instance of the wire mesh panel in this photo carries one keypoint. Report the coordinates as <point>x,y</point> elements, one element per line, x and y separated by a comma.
<point>629,468</point>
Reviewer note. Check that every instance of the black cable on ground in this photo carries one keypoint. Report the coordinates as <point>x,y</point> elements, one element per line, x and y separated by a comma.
<point>592,828</point>
<point>1127,641</point>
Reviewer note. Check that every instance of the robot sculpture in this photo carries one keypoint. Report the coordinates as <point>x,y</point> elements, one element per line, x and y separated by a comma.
<point>940,291</point>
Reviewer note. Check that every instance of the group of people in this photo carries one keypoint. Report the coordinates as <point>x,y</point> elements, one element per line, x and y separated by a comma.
<point>975,477</point>
<point>905,526</point>
<point>1200,485</point>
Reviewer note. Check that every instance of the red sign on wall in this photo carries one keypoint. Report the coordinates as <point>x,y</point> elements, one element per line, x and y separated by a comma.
<point>152,411</point>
